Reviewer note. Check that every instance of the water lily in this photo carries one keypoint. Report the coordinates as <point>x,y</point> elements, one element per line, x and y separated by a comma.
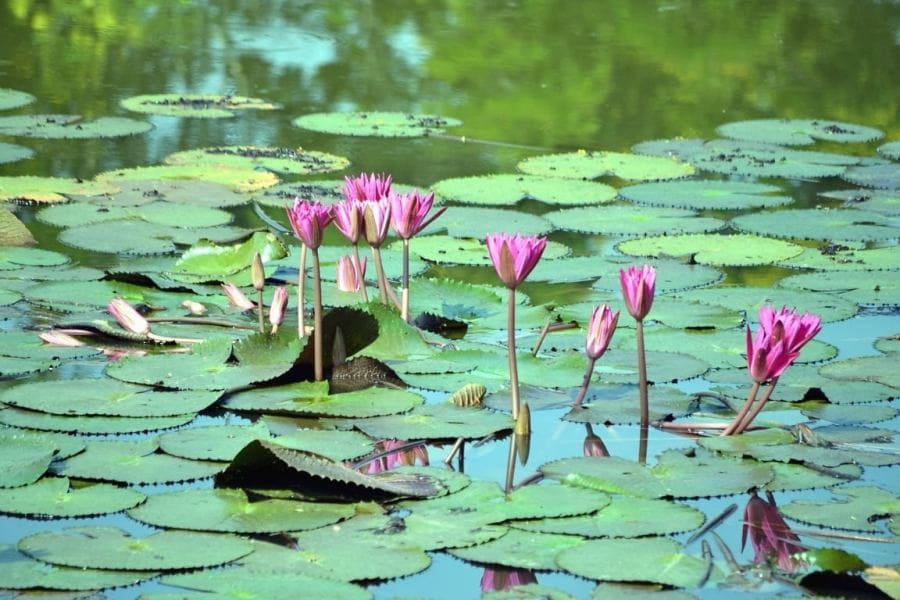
<point>237,298</point>
<point>601,327</point>
<point>309,220</point>
<point>795,329</point>
<point>638,287</point>
<point>396,454</point>
<point>128,317</point>
<point>278,308</point>
<point>376,221</point>
<point>408,217</point>
<point>593,445</point>
<point>55,337</point>
<point>514,257</point>
<point>351,276</point>
<point>366,187</point>
<point>769,534</point>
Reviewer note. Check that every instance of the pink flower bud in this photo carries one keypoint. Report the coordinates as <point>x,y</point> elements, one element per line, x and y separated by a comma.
<point>514,256</point>
<point>349,277</point>
<point>638,287</point>
<point>600,330</point>
<point>128,317</point>
<point>237,298</point>
<point>277,310</point>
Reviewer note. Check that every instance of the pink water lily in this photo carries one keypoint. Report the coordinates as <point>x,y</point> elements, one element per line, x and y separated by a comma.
<point>350,276</point>
<point>237,298</point>
<point>409,212</point>
<point>767,358</point>
<point>514,256</point>
<point>600,330</point>
<point>376,220</point>
<point>638,287</point>
<point>770,536</point>
<point>128,317</point>
<point>309,220</point>
<point>366,187</point>
<point>787,324</point>
<point>348,218</point>
<point>278,308</point>
<point>398,456</point>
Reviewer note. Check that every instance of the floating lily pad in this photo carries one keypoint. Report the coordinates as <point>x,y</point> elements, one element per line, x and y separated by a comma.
<point>886,176</point>
<point>659,560</point>
<point>750,299</point>
<point>53,497</point>
<point>27,344</point>
<point>477,222</point>
<point>880,368</point>
<point>209,259</point>
<point>134,462</point>
<point>706,194</point>
<point>11,366</point>
<point>846,414</point>
<point>112,548</point>
<point>282,160</point>
<point>19,571</point>
<point>195,192</point>
<point>375,124</point>
<point>23,460</point>
<point>162,213</point>
<point>819,224</point>
<point>240,180</point>
<point>282,195</point>
<point>508,189</point>
<point>798,131</point>
<point>8,297</point>
<point>260,583</point>
<point>56,127</point>
<point>521,550</point>
<point>104,397</point>
<point>624,517</point>
<point>13,232</point>
<point>854,508</point>
<point>49,189</point>
<point>436,421</point>
<point>209,106</point>
<point>620,405</point>
<point>715,248</point>
<point>467,251</point>
<point>14,98</point>
<point>59,444</point>
<point>215,442</point>
<point>632,220</point>
<point>12,153</point>
<point>671,276</point>
<point>591,165</point>
<point>863,287</point>
<point>81,296</point>
<point>889,150</point>
<point>789,476</point>
<point>141,237</point>
<point>313,399</point>
<point>229,510</point>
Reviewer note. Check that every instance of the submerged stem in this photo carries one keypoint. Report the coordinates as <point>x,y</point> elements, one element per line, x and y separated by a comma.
<point>642,375</point>
<point>317,317</point>
<point>511,349</point>
<point>751,397</point>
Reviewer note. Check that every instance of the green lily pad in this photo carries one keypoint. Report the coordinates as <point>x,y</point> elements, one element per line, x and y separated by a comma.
<point>104,397</point>
<point>477,222</point>
<point>19,571</point>
<point>435,422</point>
<point>13,232</point>
<point>53,497</point>
<point>12,366</point>
<point>23,461</point>
<point>375,124</point>
<point>798,131</point>
<point>854,508</point>
<point>8,297</point>
<point>714,248</point>
<point>862,287</point>
<point>282,195</point>
<point>886,176</point>
<point>215,442</point>
<point>885,202</point>
<point>624,517</point>
<point>671,275</point>
<point>81,296</point>
<point>26,344</point>
<point>313,399</point>
<point>520,550</point>
<point>881,369</point>
<point>14,98</point>
<point>141,237</point>
<point>591,165</point>
<point>229,510</point>
<point>789,476</point>
<point>621,405</point>
<point>508,189</point>
<point>750,299</point>
<point>637,591</point>
<point>59,444</point>
<point>819,224</point>
<point>889,150</point>
<point>846,414</point>
<point>240,180</point>
<point>57,127</point>
<point>445,249</point>
<point>12,153</point>
<point>282,160</point>
<point>134,462</point>
<point>632,220</point>
<point>261,357</point>
<point>214,260</point>
<point>208,106</point>
<point>112,548</point>
<point>706,194</point>
<point>49,189</point>
<point>259,584</point>
<point>162,213</point>
<point>196,192</point>
<point>659,560</point>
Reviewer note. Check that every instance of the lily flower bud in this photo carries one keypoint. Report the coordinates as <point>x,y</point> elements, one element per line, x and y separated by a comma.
<point>257,273</point>
<point>128,317</point>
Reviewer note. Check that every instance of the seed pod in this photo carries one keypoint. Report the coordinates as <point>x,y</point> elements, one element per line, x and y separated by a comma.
<point>471,394</point>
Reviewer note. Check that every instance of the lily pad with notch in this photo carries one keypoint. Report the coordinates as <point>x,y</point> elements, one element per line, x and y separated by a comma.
<point>294,161</point>
<point>58,127</point>
<point>710,194</point>
<point>793,132</point>
<point>628,220</point>
<point>19,571</point>
<point>509,189</point>
<point>592,165</point>
<point>54,497</point>
<point>208,106</point>
<point>376,124</point>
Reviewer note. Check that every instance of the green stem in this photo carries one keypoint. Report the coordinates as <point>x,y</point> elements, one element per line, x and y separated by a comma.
<point>317,317</point>
<point>745,423</point>
<point>379,272</point>
<point>359,274</point>
<point>301,289</point>
<point>751,396</point>
<point>404,305</point>
<point>585,383</point>
<point>511,349</point>
<point>260,310</point>
<point>642,375</point>
<point>198,321</point>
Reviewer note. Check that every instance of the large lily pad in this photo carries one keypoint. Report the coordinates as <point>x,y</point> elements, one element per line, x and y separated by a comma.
<point>23,460</point>
<point>162,213</point>
<point>211,261</point>
<point>477,222</point>
<point>621,405</point>
<point>197,192</point>
<point>282,160</point>
<point>229,510</point>
<point>632,220</point>
<point>54,497</point>
<point>714,248</point>
<point>12,153</point>
<point>141,237</point>
<point>259,584</point>
<point>375,124</point>
<point>508,189</point>
<point>671,275</point>
<point>313,399</point>
<point>436,421</point>
<point>19,571</point>
<point>112,548</point>
<point>209,106</point>
<point>706,194</point>
<point>56,127</point>
<point>445,249</point>
<point>591,165</point>
<point>14,98</point>
<point>49,189</point>
<point>521,550</point>
<point>819,224</point>
<point>863,287</point>
<point>854,508</point>
<point>241,180</point>
<point>750,299</point>
<point>880,368</point>
<point>798,131</point>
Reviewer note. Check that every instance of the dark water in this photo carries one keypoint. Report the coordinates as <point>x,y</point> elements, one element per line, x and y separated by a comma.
<point>530,77</point>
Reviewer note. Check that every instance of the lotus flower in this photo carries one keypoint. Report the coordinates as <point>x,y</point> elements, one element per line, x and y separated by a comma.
<point>408,212</point>
<point>309,220</point>
<point>237,298</point>
<point>376,219</point>
<point>600,330</point>
<point>514,256</point>
<point>498,579</point>
<point>349,276</point>
<point>770,536</point>
<point>638,287</point>
<point>128,317</point>
<point>366,187</point>
<point>277,310</point>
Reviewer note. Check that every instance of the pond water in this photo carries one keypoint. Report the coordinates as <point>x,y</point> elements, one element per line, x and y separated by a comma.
<point>525,79</point>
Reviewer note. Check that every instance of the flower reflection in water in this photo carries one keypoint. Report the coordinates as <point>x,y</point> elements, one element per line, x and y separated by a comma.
<point>398,454</point>
<point>498,579</point>
<point>770,536</point>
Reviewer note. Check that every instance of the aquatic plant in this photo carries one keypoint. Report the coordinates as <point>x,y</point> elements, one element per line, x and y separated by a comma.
<point>601,327</point>
<point>638,286</point>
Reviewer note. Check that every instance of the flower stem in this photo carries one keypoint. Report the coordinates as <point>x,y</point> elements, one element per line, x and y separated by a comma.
<point>301,289</point>
<point>317,317</point>
<point>585,383</point>
<point>198,321</point>
<point>261,310</point>
<point>642,444</point>
<point>379,271</point>
<point>510,465</point>
<point>751,396</point>
<point>642,375</point>
<point>359,274</point>
<point>746,421</point>
<point>511,349</point>
<point>404,305</point>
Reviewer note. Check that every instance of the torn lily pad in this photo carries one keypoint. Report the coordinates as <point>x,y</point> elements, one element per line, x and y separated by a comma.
<point>375,123</point>
<point>819,224</point>
<point>208,106</point>
<point>855,508</point>
<point>712,194</point>
<point>55,497</point>
<point>14,98</point>
<point>592,165</point>
<point>294,161</point>
<point>19,571</point>
<point>714,248</point>
<point>793,132</point>
<point>58,127</point>
<point>621,220</point>
<point>509,189</point>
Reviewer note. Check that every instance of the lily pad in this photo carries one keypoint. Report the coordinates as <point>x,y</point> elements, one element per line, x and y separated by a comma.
<point>659,560</point>
<point>706,194</point>
<point>591,165</point>
<point>12,153</point>
<point>112,548</point>
<point>847,414</point>
<point>750,299</point>
<point>620,405</point>
<point>142,238</point>
<point>282,160</point>
<point>445,249</point>
<point>632,220</point>
<point>59,444</point>
<point>881,368</point>
<point>26,344</point>
<point>14,98</point>
<point>19,571</point>
<point>251,584</point>
<point>520,550</point>
<point>375,124</point>
<point>13,232</point>
<point>798,131</point>
<point>49,189</point>
<point>477,222</point>
<point>885,202</point>
<point>436,421</point>
<point>715,248</point>
<point>886,176</point>
<point>209,106</point>
<point>862,287</point>
<point>240,180</point>
<point>819,224</point>
<point>23,461</point>
<point>104,397</point>
<point>229,510</point>
<point>313,399</point>
<point>671,275</point>
<point>162,213</point>
<point>53,497</point>
<point>194,192</point>
<point>214,260</point>
<point>854,508</point>
<point>57,127</point>
<point>508,189</point>
<point>134,462</point>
